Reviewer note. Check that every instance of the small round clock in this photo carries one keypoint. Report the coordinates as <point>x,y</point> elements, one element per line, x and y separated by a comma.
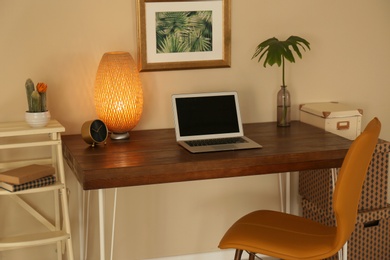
<point>94,132</point>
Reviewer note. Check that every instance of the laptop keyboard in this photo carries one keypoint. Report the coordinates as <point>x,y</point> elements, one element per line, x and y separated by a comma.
<point>206,142</point>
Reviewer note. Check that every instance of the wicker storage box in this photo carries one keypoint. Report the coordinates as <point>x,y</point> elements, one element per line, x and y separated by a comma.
<point>317,185</point>
<point>370,239</point>
<point>333,117</point>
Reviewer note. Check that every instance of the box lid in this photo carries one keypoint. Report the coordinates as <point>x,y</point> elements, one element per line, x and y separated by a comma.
<point>330,109</point>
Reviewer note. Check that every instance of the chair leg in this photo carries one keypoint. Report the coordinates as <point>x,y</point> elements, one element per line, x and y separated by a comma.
<point>252,256</point>
<point>238,254</point>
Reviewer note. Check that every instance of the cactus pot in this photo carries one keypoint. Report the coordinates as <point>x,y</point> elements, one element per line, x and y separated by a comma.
<point>37,119</point>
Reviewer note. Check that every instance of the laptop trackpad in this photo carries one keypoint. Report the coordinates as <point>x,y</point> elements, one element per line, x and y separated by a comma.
<point>224,147</point>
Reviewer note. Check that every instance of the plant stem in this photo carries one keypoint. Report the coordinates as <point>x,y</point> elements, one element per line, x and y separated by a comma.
<point>283,72</point>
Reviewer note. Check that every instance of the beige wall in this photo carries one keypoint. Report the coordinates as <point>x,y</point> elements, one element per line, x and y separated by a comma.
<point>61,43</point>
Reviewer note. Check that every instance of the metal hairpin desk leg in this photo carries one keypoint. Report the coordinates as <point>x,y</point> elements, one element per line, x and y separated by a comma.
<point>84,199</point>
<point>102,224</point>
<point>285,201</point>
<point>343,253</point>
<point>113,224</point>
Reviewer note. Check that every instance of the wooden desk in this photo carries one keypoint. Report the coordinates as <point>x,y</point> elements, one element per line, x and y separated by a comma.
<point>153,156</point>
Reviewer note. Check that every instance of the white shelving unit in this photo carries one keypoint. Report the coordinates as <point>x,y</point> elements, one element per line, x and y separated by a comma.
<point>15,139</point>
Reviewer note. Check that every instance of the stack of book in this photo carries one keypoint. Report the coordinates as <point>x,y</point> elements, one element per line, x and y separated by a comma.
<point>27,177</point>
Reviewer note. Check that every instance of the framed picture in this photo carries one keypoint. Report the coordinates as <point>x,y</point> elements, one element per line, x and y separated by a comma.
<point>183,34</point>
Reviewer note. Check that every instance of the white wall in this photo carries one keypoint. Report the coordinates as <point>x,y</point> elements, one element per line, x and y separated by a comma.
<point>61,43</point>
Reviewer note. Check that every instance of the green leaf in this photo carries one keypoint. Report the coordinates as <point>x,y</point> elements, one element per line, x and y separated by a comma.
<point>275,52</point>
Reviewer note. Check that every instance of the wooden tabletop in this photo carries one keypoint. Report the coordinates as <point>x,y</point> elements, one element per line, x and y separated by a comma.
<point>153,156</point>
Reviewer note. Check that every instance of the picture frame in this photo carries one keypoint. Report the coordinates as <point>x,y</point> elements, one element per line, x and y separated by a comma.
<point>183,34</point>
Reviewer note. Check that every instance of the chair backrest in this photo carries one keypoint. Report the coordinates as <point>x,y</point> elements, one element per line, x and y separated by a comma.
<point>350,181</point>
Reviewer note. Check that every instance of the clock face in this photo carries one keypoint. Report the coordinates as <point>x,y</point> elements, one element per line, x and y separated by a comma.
<point>98,131</point>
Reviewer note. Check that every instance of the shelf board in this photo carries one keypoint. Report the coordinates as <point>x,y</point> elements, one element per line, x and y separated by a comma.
<point>56,186</point>
<point>22,128</point>
<point>33,239</point>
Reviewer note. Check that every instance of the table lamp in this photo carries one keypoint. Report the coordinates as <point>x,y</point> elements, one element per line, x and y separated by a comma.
<point>118,93</point>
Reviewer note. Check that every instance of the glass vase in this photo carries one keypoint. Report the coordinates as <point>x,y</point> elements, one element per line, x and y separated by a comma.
<point>284,107</point>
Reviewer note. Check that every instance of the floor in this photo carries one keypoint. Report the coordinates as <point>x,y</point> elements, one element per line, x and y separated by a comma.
<point>219,255</point>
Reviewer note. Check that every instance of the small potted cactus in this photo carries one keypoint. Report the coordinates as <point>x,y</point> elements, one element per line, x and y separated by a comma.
<point>37,114</point>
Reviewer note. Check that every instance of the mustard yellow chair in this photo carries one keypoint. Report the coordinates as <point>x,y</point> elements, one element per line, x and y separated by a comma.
<point>291,237</point>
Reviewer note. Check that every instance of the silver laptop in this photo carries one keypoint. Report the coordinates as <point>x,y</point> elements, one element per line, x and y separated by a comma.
<point>209,122</point>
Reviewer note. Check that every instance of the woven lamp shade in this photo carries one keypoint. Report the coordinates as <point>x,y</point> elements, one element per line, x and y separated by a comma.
<point>118,92</point>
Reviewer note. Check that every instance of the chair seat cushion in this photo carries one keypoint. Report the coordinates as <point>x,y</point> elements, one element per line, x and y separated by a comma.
<point>280,235</point>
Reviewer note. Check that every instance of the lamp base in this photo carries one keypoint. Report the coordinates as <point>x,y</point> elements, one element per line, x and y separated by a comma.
<point>120,136</point>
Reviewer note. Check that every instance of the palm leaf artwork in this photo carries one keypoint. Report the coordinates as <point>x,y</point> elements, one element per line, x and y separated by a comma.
<point>275,51</point>
<point>184,31</point>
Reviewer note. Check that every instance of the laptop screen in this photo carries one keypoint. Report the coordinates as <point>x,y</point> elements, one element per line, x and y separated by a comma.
<point>207,115</point>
